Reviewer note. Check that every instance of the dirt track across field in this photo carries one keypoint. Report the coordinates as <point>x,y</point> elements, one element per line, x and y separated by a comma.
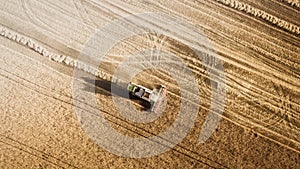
<point>257,43</point>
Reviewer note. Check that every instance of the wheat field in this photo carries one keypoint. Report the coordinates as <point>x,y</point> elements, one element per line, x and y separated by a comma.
<point>252,59</point>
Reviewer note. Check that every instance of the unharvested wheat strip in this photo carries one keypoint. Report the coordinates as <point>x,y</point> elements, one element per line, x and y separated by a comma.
<point>27,149</point>
<point>261,14</point>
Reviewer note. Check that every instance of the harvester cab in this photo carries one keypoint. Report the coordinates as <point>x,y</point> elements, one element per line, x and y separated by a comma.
<point>155,97</point>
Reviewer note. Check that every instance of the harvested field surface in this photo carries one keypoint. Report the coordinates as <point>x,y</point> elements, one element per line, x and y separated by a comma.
<point>59,62</point>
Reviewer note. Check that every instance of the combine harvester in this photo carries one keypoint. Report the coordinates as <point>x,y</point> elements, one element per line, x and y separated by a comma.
<point>155,97</point>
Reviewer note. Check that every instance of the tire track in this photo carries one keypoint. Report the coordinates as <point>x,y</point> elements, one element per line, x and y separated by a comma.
<point>83,13</point>
<point>53,25</point>
<point>256,89</point>
<point>33,18</point>
<point>235,86</point>
<point>34,152</point>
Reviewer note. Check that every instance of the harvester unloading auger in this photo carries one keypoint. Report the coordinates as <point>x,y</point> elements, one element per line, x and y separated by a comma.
<point>155,97</point>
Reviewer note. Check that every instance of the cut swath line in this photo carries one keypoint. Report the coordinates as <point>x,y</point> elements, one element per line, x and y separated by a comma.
<point>292,3</point>
<point>292,28</point>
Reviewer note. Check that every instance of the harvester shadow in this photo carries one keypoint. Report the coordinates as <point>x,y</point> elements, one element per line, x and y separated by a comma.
<point>104,87</point>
